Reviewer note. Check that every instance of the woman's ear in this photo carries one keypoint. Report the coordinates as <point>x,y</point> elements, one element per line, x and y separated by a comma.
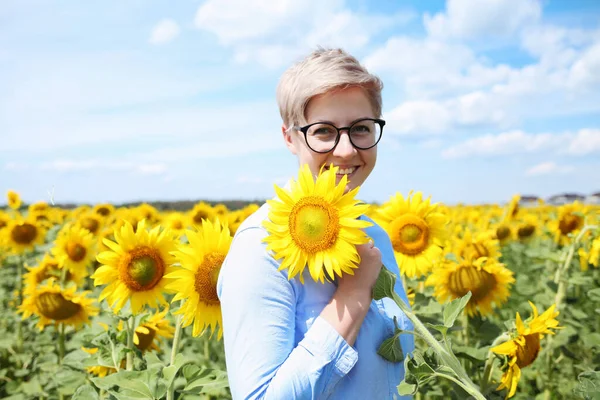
<point>289,139</point>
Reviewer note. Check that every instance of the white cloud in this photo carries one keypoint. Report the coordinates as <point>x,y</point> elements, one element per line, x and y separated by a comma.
<point>164,32</point>
<point>506,143</point>
<point>469,19</point>
<point>548,168</point>
<point>586,141</point>
<point>280,32</point>
<point>16,166</point>
<point>582,142</point>
<point>419,117</point>
<point>585,72</point>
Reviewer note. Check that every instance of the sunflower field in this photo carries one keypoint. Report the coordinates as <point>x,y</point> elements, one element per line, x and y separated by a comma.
<point>106,302</point>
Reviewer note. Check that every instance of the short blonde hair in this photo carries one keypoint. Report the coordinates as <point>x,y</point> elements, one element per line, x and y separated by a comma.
<point>322,71</point>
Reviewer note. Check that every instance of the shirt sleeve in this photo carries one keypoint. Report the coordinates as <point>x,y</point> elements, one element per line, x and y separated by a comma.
<point>258,306</point>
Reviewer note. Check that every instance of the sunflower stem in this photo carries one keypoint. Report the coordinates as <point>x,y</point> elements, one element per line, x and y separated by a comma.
<point>446,356</point>
<point>130,333</point>
<point>20,262</point>
<point>489,362</point>
<point>174,351</point>
<point>61,342</point>
<point>206,350</point>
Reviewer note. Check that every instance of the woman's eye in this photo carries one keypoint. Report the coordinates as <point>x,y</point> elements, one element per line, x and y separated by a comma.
<point>361,129</point>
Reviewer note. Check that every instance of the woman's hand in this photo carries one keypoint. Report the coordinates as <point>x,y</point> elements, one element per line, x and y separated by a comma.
<point>364,278</point>
<point>352,299</point>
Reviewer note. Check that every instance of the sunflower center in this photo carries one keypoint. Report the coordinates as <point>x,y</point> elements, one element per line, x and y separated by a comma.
<point>409,234</point>
<point>526,231</point>
<point>177,224</point>
<point>527,354</point>
<point>476,250</point>
<point>56,307</point>
<point>24,234</point>
<point>90,224</point>
<point>142,269</point>
<point>502,232</point>
<point>104,211</point>
<point>75,251</point>
<point>205,282</point>
<point>478,281</point>
<point>569,223</point>
<point>199,216</point>
<point>2,223</point>
<point>314,224</point>
<point>145,339</point>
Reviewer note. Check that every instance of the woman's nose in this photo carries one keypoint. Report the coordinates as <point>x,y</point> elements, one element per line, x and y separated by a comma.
<point>344,148</point>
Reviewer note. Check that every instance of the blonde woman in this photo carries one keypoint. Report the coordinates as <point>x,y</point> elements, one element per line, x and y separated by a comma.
<point>285,340</point>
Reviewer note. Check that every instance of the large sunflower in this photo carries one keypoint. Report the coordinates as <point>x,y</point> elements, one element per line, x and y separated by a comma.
<point>135,266</point>
<point>417,231</point>
<point>196,281</point>
<point>49,268</point>
<point>488,281</point>
<point>74,248</point>
<point>22,235</point>
<point>315,224</point>
<point>14,200</point>
<point>524,347</point>
<point>55,305</point>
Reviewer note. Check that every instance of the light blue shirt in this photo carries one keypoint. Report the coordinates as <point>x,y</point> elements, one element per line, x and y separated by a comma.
<point>276,344</point>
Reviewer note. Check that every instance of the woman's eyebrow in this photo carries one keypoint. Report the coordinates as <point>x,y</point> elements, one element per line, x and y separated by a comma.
<point>324,121</point>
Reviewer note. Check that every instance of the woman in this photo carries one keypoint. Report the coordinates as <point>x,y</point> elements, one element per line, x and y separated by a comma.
<point>285,340</point>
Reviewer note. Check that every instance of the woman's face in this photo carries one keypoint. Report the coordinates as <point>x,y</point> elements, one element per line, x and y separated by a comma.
<point>341,108</point>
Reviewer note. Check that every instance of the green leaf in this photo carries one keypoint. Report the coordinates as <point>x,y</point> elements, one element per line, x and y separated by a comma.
<point>577,313</point>
<point>594,294</point>
<point>390,349</point>
<point>170,372</point>
<point>589,385</point>
<point>470,353</point>
<point>454,308</point>
<point>581,280</point>
<point>407,389</point>
<point>384,287</point>
<point>132,383</point>
<point>592,340</point>
<point>85,393</point>
<point>443,329</point>
<point>203,378</point>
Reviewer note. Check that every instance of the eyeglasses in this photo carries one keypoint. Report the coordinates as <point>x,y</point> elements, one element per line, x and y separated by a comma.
<point>322,137</point>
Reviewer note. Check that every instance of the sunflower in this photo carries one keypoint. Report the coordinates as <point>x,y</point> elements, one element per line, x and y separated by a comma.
<point>14,200</point>
<point>503,233</point>
<point>148,335</point>
<point>4,219</point>
<point>104,210</point>
<point>524,347</point>
<point>56,305</point>
<point>315,224</point>
<point>135,266</point>
<point>417,231</point>
<point>527,229</point>
<point>569,222</point>
<point>49,268</point>
<point>594,256</point>
<point>488,281</point>
<point>99,370</point>
<point>74,249</point>
<point>513,208</point>
<point>40,206</point>
<point>196,281</point>
<point>201,211</point>
<point>91,221</point>
<point>482,244</point>
<point>175,221</point>
<point>22,235</point>
<point>583,259</point>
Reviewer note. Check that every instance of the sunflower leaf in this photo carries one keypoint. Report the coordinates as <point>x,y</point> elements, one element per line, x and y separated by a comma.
<point>454,308</point>
<point>390,348</point>
<point>384,287</point>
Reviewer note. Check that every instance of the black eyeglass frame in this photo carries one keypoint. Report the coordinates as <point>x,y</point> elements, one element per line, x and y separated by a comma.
<point>304,130</point>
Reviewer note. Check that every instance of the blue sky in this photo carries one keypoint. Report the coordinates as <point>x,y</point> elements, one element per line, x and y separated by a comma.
<point>153,100</point>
